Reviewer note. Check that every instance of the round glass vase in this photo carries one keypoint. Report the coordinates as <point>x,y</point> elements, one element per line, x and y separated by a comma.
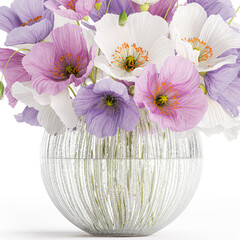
<point>132,184</point>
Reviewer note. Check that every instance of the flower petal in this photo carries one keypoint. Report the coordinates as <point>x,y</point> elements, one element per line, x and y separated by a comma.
<point>8,19</point>
<point>27,10</point>
<point>48,119</point>
<point>69,39</point>
<point>109,85</point>
<point>219,36</point>
<point>100,123</point>
<point>29,116</point>
<point>85,100</point>
<point>188,21</point>
<point>181,72</point>
<point>130,116</point>
<point>63,107</point>
<point>30,34</point>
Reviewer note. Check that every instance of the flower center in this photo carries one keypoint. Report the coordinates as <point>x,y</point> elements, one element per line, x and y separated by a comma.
<point>129,57</point>
<point>130,63</point>
<point>161,100</point>
<point>165,98</point>
<point>71,4</point>
<point>32,21</point>
<point>67,65</point>
<point>206,51</point>
<point>109,101</point>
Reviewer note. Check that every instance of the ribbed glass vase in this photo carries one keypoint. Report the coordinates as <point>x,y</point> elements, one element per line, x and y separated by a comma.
<point>132,184</point>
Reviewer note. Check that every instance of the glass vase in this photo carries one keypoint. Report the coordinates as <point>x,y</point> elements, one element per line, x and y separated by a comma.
<point>132,184</point>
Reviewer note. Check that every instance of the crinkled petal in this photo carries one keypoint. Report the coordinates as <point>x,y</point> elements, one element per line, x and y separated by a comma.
<point>30,34</point>
<point>145,84</point>
<point>181,72</point>
<point>109,85</point>
<point>100,123</point>
<point>29,116</point>
<point>188,21</point>
<point>219,36</point>
<point>85,100</point>
<point>48,119</point>
<point>26,9</point>
<point>69,39</point>
<point>130,116</point>
<point>63,107</point>
<point>8,19</point>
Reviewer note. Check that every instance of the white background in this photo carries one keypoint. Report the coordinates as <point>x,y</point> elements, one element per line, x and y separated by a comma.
<point>26,211</point>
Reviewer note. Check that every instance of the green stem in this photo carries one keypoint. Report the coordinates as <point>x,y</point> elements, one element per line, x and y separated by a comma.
<point>123,5</point>
<point>95,79</point>
<point>74,94</point>
<point>108,5</point>
<point>177,3</point>
<point>168,10</point>
<point>78,23</point>
<point>10,60</point>
<point>233,17</point>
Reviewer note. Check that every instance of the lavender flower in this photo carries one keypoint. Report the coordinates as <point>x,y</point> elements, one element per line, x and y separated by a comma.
<point>54,66</point>
<point>26,22</point>
<point>29,116</point>
<point>107,107</point>
<point>14,71</point>
<point>115,7</point>
<point>223,85</point>
<point>160,8</point>
<point>224,8</point>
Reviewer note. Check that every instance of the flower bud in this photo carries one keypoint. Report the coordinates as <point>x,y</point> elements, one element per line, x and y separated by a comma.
<point>1,89</point>
<point>203,88</point>
<point>98,6</point>
<point>131,90</point>
<point>86,18</point>
<point>144,8</point>
<point>123,18</point>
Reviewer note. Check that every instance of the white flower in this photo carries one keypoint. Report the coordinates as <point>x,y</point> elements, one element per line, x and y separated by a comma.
<point>142,2</point>
<point>201,39</point>
<point>143,40</point>
<point>217,120</point>
<point>55,112</point>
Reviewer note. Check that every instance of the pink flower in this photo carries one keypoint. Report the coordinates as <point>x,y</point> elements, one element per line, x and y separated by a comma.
<point>74,9</point>
<point>173,97</point>
<point>55,65</point>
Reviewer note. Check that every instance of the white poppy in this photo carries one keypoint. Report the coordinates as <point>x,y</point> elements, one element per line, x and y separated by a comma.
<point>143,40</point>
<point>55,112</point>
<point>217,120</point>
<point>203,39</point>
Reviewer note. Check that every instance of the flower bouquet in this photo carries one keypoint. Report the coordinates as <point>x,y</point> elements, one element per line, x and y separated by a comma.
<point>121,88</point>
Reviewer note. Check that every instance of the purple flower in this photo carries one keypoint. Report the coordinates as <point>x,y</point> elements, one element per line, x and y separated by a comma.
<point>224,8</point>
<point>115,7</point>
<point>223,85</point>
<point>29,116</point>
<point>173,97</point>
<point>160,8</point>
<point>74,9</point>
<point>14,71</point>
<point>107,107</point>
<point>26,22</point>
<point>55,65</point>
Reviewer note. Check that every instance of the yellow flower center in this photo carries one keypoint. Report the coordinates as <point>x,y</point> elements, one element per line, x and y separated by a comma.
<point>129,57</point>
<point>109,101</point>
<point>161,100</point>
